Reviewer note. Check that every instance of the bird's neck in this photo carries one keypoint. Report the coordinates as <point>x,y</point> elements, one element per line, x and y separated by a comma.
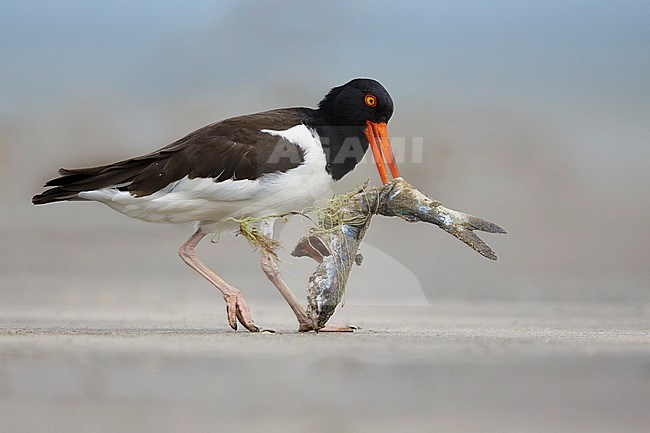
<point>344,146</point>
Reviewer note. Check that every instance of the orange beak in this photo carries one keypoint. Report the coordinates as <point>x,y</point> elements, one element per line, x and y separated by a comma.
<point>377,135</point>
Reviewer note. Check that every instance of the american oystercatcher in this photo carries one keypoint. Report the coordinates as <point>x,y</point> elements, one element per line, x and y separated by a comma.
<point>256,165</point>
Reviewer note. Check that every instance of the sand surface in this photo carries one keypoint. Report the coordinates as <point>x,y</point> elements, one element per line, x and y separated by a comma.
<point>454,367</point>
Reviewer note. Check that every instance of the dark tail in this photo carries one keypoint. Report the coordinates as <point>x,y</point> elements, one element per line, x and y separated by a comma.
<point>74,181</point>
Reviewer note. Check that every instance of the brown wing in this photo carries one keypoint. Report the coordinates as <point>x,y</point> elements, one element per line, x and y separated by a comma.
<point>231,149</point>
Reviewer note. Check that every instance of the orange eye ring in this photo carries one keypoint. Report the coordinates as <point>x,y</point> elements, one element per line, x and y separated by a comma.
<point>370,100</point>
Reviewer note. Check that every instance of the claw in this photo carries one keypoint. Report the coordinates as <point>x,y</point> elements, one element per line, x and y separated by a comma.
<point>244,315</point>
<point>237,310</point>
<point>247,321</point>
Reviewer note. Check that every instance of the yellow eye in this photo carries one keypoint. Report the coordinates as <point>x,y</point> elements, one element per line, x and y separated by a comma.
<point>370,101</point>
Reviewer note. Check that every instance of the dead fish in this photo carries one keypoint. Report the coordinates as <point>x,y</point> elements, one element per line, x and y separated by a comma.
<point>334,245</point>
<point>335,252</point>
<point>343,223</point>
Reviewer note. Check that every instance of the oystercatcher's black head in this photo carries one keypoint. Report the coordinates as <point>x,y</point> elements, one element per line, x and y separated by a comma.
<point>359,109</point>
<point>357,102</point>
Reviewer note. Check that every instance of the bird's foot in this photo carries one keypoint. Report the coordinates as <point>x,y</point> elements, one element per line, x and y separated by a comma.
<point>305,325</point>
<point>334,327</point>
<point>237,309</point>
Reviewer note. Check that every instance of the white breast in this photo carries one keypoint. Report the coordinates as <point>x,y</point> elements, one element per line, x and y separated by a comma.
<point>206,201</point>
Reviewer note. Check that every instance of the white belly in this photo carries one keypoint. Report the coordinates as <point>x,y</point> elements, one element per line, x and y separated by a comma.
<point>205,201</point>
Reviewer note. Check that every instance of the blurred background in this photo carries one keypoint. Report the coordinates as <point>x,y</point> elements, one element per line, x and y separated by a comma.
<point>531,114</point>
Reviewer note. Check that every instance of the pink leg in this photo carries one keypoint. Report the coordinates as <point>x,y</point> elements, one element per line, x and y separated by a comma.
<point>270,268</point>
<point>236,306</point>
<point>272,271</point>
